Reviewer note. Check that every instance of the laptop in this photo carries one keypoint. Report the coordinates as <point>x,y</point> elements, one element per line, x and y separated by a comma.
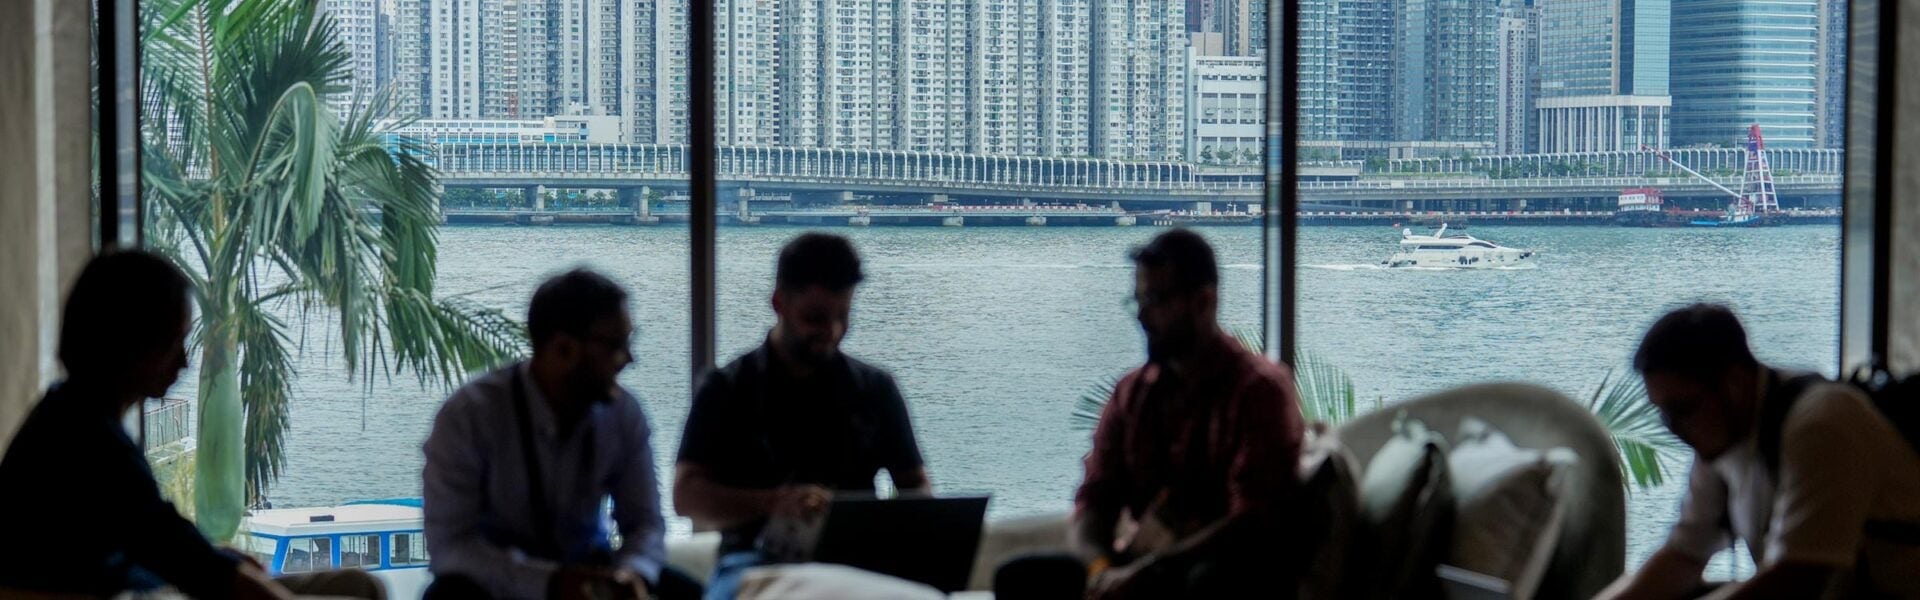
<point>931,540</point>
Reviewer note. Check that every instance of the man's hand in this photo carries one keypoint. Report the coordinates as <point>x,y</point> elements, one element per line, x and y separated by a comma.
<point>801,501</point>
<point>252,583</point>
<point>632,585</point>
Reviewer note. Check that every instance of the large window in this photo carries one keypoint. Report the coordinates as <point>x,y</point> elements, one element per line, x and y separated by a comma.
<point>1534,126</point>
<point>994,161</point>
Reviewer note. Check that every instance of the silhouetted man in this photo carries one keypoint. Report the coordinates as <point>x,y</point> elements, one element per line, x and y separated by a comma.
<point>521,462</point>
<point>784,427</point>
<point>1821,487</point>
<point>1199,446</point>
<point>80,511</point>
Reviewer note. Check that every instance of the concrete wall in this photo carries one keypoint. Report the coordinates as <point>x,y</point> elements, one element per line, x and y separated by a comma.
<point>45,182</point>
<point>1904,347</point>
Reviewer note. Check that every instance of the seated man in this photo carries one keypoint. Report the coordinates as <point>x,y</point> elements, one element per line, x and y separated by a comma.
<point>1199,447</point>
<point>80,508</point>
<point>1824,491</point>
<point>521,462</point>
<point>785,426</point>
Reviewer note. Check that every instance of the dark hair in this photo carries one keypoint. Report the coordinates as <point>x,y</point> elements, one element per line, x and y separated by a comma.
<point>570,302</point>
<point>818,259</point>
<point>1184,256</point>
<point>126,303</point>
<point>1699,342</point>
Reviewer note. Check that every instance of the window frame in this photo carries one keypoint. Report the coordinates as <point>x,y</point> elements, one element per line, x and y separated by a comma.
<point>1866,236</point>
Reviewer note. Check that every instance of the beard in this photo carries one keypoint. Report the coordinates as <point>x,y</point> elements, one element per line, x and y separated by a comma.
<point>589,386</point>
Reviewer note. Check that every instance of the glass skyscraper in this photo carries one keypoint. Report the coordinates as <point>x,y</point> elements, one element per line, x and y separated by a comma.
<point>1745,62</point>
<point>1604,74</point>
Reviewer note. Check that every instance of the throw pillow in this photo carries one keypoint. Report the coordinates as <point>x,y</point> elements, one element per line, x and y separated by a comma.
<point>1508,513</point>
<point>1407,501</point>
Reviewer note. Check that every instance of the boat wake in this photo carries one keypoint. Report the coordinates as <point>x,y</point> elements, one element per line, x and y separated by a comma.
<point>1378,267</point>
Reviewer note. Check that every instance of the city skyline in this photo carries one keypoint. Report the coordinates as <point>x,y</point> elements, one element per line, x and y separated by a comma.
<point>1106,78</point>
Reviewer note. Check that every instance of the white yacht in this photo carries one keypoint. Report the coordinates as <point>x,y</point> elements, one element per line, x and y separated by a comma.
<point>383,537</point>
<point>1458,251</point>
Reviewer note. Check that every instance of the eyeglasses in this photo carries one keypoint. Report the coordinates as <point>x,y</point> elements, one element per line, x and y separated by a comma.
<point>1135,302</point>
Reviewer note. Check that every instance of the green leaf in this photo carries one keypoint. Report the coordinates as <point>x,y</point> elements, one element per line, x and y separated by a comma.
<point>1646,447</point>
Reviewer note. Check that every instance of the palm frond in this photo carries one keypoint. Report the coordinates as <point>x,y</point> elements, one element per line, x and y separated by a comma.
<point>266,383</point>
<point>1092,402</point>
<point>1645,445</point>
<point>1327,393</point>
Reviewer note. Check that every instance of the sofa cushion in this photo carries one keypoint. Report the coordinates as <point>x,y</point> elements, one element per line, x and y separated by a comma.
<point>820,581</point>
<point>1508,505</point>
<point>1407,502</point>
<point>1330,493</point>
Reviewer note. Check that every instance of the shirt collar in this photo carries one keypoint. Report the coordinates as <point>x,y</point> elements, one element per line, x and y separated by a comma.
<point>544,419</point>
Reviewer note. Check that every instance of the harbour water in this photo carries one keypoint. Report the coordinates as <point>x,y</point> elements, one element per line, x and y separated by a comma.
<point>994,332</point>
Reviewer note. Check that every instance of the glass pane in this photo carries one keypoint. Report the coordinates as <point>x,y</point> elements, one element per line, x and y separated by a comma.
<point>362,551</point>
<point>1597,149</point>
<point>993,162</point>
<point>408,549</point>
<point>486,161</point>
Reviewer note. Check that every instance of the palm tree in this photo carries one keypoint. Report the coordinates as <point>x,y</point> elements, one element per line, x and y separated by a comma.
<point>275,206</point>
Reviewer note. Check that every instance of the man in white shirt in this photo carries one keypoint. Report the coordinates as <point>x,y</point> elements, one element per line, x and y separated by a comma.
<point>1825,492</point>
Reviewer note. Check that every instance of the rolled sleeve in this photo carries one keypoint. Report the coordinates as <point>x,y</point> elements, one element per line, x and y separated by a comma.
<point>636,503</point>
<point>1702,528</point>
<point>1821,507</point>
<point>453,486</point>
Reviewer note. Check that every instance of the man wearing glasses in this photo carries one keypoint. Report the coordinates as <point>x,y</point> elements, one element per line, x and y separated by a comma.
<point>1823,489</point>
<point>521,462</point>
<point>1199,446</point>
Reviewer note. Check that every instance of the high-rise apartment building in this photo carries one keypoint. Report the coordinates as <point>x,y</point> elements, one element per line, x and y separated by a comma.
<point>1227,26</point>
<point>934,60</point>
<point>465,59</point>
<point>1445,73</point>
<point>1833,74</point>
<point>1604,75</point>
<point>1365,82</point>
<point>1007,58</point>
<point>1139,80</point>
<point>1741,63</point>
<point>1066,81</point>
<point>1519,54</point>
<point>1320,77</point>
<point>1002,77</point>
<point>356,27</point>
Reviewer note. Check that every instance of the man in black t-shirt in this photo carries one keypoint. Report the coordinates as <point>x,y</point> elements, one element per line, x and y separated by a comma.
<point>784,427</point>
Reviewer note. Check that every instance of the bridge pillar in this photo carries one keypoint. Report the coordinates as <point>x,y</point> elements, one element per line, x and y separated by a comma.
<point>642,204</point>
<point>536,197</point>
<point>1406,205</point>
